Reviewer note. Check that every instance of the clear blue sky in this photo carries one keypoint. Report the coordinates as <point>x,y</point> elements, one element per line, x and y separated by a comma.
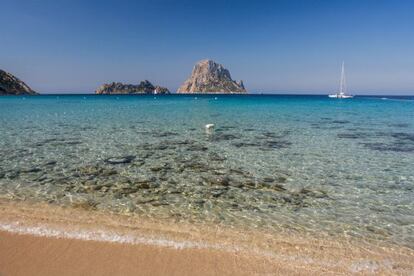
<point>279,46</point>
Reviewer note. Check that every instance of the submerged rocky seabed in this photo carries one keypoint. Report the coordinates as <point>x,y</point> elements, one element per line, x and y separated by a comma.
<point>295,164</point>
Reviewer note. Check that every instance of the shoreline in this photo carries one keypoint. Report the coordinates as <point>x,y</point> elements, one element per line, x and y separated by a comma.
<point>42,227</point>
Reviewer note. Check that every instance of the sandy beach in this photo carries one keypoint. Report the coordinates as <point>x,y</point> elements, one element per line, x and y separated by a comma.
<point>39,239</point>
<point>29,255</point>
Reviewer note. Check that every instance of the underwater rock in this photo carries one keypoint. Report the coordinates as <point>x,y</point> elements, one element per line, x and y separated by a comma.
<point>156,169</point>
<point>224,128</point>
<point>355,135</point>
<point>216,157</point>
<point>182,142</point>
<point>276,144</point>
<point>266,145</point>
<point>314,193</point>
<point>197,166</point>
<point>143,185</point>
<point>217,192</point>
<point>50,163</point>
<point>94,171</point>
<point>281,179</point>
<point>120,160</point>
<point>244,144</point>
<point>161,167</point>
<point>72,142</point>
<point>39,178</point>
<point>145,200</point>
<point>218,180</point>
<point>164,134</point>
<point>161,147</point>
<point>218,136</point>
<point>159,203</point>
<point>341,122</point>
<point>396,147</point>
<point>30,170</point>
<point>268,179</point>
<point>196,147</point>
<point>271,185</point>
<point>403,136</point>
<point>108,172</point>
<point>399,125</point>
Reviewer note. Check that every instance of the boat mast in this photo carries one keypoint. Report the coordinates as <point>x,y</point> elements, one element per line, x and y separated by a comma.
<point>342,86</point>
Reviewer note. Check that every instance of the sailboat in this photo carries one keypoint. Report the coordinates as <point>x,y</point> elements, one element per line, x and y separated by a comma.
<point>342,87</point>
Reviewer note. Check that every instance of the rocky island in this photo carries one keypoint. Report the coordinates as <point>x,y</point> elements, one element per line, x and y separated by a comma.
<point>10,85</point>
<point>209,76</point>
<point>144,87</point>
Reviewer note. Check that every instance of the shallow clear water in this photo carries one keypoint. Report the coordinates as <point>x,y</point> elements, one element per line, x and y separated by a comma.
<point>301,163</point>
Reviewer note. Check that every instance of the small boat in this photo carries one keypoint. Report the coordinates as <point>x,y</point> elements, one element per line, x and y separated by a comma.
<point>342,87</point>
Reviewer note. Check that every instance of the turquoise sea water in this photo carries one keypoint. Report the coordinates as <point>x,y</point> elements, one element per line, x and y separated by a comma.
<point>295,163</point>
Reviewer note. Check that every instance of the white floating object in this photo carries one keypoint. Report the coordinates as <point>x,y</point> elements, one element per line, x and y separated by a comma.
<point>209,126</point>
<point>215,98</point>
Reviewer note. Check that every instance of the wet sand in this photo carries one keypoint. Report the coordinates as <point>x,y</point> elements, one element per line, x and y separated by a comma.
<point>28,255</point>
<point>39,239</point>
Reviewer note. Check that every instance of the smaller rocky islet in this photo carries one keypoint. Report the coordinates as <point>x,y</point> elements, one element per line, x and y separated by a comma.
<point>144,87</point>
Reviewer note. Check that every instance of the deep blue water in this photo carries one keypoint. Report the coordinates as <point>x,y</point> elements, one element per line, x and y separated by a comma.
<point>280,162</point>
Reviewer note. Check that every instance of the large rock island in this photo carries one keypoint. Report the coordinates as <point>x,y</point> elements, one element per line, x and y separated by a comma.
<point>10,85</point>
<point>211,77</point>
<point>144,87</point>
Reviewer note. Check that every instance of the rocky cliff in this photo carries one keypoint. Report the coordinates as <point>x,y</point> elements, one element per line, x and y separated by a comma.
<point>10,85</point>
<point>211,77</point>
<point>144,87</point>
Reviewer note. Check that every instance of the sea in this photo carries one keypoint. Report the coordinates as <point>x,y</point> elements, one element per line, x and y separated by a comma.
<point>304,164</point>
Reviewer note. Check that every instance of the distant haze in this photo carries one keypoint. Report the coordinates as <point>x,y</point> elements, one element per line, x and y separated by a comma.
<point>73,46</point>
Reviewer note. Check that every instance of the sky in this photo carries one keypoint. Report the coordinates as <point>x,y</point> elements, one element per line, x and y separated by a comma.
<point>286,46</point>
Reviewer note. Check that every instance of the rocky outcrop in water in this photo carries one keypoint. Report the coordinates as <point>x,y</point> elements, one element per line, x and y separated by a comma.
<point>161,90</point>
<point>211,77</point>
<point>144,87</point>
<point>10,85</point>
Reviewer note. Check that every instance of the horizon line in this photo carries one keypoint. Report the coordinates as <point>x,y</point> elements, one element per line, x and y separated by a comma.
<point>225,94</point>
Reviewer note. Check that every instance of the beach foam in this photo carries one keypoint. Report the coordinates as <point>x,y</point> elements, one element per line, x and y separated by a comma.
<point>113,237</point>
